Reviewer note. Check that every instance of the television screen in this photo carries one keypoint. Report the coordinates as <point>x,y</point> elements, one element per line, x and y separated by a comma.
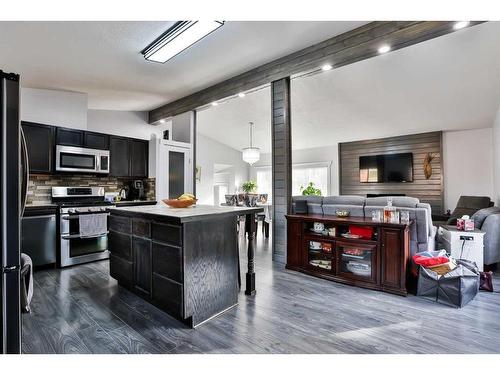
<point>386,168</point>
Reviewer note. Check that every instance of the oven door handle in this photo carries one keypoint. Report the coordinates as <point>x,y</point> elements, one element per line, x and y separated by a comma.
<point>72,236</point>
<point>71,217</point>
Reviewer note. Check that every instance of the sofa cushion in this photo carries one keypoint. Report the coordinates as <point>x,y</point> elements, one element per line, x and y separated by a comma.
<point>352,200</point>
<point>314,203</point>
<point>396,201</point>
<point>480,216</point>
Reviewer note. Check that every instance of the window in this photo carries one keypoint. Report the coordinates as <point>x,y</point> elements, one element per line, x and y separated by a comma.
<point>264,179</point>
<point>317,173</point>
<point>302,174</point>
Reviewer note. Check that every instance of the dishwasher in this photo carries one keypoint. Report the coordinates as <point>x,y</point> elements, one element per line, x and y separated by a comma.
<point>38,236</point>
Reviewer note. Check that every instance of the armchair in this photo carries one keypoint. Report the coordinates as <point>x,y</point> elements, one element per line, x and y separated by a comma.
<point>468,205</point>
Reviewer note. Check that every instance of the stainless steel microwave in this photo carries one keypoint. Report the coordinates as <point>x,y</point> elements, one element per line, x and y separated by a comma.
<point>81,159</point>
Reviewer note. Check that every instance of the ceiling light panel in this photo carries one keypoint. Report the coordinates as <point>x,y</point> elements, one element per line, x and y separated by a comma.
<point>179,37</point>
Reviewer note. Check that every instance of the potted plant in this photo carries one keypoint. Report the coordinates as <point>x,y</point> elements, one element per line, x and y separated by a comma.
<point>249,187</point>
<point>250,196</point>
<point>310,190</point>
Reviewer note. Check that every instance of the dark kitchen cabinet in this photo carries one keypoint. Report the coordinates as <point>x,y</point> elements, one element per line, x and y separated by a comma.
<point>96,140</point>
<point>69,137</point>
<point>139,158</point>
<point>40,145</point>
<point>129,157</point>
<point>119,154</point>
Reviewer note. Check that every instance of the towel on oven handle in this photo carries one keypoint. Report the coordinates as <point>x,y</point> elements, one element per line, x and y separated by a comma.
<point>92,225</point>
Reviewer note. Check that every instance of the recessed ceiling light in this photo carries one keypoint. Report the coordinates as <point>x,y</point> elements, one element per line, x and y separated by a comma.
<point>162,121</point>
<point>214,104</point>
<point>460,25</point>
<point>177,38</point>
<point>326,67</point>
<point>385,48</point>
<point>241,94</point>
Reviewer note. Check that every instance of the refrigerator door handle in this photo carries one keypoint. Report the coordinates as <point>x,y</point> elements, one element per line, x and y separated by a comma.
<point>25,166</point>
<point>10,269</point>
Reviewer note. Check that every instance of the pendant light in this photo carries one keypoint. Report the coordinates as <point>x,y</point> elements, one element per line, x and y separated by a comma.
<point>251,154</point>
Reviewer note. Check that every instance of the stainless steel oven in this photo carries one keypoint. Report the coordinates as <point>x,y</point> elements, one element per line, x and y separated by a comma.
<point>76,249</point>
<point>74,202</point>
<point>81,159</point>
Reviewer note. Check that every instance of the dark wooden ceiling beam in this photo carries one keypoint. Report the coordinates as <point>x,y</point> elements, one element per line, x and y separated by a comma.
<point>347,48</point>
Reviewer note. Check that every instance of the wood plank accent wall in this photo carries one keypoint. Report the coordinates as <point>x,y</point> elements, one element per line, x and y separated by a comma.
<point>430,191</point>
<point>282,164</point>
<point>347,48</point>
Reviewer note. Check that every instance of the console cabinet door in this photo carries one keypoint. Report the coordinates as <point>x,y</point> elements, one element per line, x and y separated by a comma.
<point>40,144</point>
<point>357,261</point>
<point>119,154</point>
<point>392,257</point>
<point>294,243</point>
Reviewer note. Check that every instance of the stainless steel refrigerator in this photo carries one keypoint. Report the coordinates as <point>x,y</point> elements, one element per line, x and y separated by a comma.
<point>13,183</point>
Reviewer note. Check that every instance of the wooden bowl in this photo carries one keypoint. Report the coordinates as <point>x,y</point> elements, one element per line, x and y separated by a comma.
<point>177,203</point>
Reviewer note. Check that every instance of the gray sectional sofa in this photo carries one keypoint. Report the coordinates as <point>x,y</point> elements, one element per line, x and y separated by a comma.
<point>488,220</point>
<point>422,232</point>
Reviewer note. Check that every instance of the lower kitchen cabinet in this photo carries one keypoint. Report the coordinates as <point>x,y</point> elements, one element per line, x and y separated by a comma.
<point>142,264</point>
<point>147,262</point>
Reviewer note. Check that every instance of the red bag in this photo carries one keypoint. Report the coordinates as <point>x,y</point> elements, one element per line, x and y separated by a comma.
<point>427,261</point>
<point>363,232</point>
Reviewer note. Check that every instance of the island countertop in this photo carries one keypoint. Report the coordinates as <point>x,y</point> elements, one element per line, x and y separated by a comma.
<point>184,215</point>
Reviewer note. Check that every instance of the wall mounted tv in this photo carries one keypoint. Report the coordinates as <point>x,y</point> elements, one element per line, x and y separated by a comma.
<point>386,168</point>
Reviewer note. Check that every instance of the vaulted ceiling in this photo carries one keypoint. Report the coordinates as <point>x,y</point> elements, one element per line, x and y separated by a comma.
<point>103,58</point>
<point>447,83</point>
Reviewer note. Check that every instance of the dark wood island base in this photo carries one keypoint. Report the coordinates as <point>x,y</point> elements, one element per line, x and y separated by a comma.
<point>187,266</point>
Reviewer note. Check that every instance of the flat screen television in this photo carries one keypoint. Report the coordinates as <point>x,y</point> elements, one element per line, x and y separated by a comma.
<point>386,168</point>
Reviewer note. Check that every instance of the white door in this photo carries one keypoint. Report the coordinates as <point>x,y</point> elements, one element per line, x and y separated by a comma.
<point>177,172</point>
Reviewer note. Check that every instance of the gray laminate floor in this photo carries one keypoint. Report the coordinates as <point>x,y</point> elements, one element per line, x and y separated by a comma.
<point>83,310</point>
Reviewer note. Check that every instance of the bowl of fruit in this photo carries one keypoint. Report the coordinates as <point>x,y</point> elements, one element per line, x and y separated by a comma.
<point>184,201</point>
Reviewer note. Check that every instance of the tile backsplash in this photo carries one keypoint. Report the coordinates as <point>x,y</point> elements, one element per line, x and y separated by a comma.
<point>39,188</point>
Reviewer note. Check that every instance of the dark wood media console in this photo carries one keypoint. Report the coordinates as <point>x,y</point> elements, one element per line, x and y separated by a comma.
<point>378,262</point>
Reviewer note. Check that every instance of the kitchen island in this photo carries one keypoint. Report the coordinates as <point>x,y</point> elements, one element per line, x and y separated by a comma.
<point>185,261</point>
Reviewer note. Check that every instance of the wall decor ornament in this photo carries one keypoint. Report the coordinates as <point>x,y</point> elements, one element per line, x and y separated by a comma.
<point>427,164</point>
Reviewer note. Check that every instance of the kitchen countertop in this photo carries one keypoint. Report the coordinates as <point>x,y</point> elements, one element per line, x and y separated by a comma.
<point>135,203</point>
<point>41,205</point>
<point>193,213</point>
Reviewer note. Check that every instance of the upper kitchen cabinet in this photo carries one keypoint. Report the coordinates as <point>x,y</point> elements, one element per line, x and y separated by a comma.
<point>40,145</point>
<point>139,158</point>
<point>69,137</point>
<point>96,140</point>
<point>119,154</point>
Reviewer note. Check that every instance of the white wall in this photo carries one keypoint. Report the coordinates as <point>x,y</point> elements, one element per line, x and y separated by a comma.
<point>310,155</point>
<point>54,107</point>
<point>210,152</point>
<point>496,158</point>
<point>468,164</point>
<point>124,123</point>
